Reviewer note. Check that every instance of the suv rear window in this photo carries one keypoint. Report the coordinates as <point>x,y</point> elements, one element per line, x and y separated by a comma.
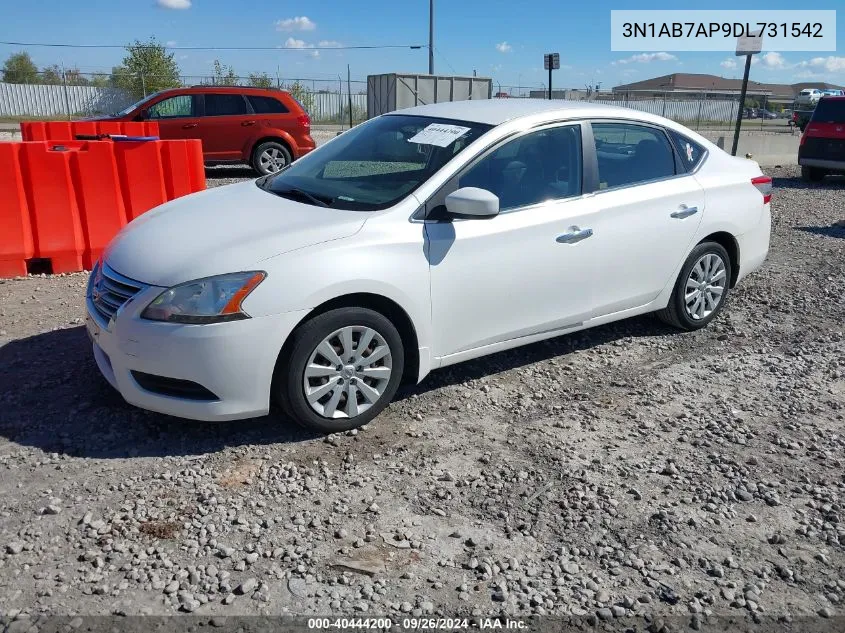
<point>266,105</point>
<point>224,104</point>
<point>830,111</point>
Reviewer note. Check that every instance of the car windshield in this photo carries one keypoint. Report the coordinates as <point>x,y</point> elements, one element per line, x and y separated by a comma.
<point>376,164</point>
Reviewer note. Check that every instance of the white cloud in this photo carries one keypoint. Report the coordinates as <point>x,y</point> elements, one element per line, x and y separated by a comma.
<point>830,64</point>
<point>170,43</point>
<point>174,4</point>
<point>299,23</point>
<point>329,44</point>
<point>645,58</point>
<point>773,60</point>
<point>292,42</point>
<point>728,64</point>
<point>504,47</point>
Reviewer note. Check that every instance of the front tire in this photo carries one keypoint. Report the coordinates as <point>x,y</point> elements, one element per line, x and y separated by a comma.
<point>343,369</point>
<point>701,289</point>
<point>270,157</point>
<point>812,174</point>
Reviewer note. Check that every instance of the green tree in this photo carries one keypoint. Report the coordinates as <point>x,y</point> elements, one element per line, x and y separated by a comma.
<point>299,92</point>
<point>19,69</point>
<point>224,75</point>
<point>261,80</point>
<point>146,68</point>
<point>51,75</point>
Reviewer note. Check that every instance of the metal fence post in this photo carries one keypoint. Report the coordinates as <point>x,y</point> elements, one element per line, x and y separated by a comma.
<point>700,103</point>
<point>64,90</point>
<point>664,104</point>
<point>143,85</point>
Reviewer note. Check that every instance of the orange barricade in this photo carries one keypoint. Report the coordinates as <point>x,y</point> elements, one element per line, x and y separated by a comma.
<point>67,130</point>
<point>55,213</point>
<point>16,244</point>
<point>140,162</point>
<point>65,200</point>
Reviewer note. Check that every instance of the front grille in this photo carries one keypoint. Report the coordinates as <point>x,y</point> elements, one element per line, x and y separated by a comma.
<point>173,387</point>
<point>110,290</point>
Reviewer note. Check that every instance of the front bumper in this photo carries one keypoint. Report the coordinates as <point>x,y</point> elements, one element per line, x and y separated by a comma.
<point>235,360</point>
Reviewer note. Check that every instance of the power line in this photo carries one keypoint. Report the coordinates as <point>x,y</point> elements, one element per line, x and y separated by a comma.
<point>218,48</point>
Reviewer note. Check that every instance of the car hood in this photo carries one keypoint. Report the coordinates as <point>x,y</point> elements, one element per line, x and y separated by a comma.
<point>221,230</point>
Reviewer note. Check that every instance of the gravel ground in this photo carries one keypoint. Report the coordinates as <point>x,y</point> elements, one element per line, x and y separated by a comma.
<point>623,470</point>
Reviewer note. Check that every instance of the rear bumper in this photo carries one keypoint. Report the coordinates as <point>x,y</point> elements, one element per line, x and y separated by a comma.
<point>821,162</point>
<point>754,245</point>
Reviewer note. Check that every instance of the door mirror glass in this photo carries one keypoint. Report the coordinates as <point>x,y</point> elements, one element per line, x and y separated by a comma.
<point>472,202</point>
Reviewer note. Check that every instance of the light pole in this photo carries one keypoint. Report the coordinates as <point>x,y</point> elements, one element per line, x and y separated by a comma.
<point>430,37</point>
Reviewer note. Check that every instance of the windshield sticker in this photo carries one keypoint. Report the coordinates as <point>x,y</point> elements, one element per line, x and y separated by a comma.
<point>689,152</point>
<point>439,134</point>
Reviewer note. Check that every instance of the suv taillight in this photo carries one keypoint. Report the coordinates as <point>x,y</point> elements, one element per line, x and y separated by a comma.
<point>304,120</point>
<point>764,186</point>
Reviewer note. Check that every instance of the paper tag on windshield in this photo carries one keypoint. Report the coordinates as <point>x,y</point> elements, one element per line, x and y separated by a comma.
<point>439,134</point>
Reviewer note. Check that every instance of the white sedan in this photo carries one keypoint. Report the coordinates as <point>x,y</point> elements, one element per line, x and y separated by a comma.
<point>416,240</point>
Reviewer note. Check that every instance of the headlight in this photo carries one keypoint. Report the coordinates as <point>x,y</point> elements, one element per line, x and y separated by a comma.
<point>209,300</point>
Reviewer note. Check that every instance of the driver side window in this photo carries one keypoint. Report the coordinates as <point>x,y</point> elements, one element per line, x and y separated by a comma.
<point>535,167</point>
<point>178,106</point>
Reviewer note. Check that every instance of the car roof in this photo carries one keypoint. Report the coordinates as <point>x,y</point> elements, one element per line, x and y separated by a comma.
<point>238,89</point>
<point>498,111</point>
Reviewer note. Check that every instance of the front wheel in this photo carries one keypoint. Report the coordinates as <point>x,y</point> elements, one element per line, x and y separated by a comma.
<point>343,369</point>
<point>701,290</point>
<point>270,157</point>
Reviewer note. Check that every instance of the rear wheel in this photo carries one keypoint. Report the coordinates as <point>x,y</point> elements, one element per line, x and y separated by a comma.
<point>701,290</point>
<point>343,369</point>
<point>812,174</point>
<point>270,157</point>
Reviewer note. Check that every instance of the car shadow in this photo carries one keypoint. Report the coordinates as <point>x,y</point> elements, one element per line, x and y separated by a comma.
<point>829,182</point>
<point>53,397</point>
<point>636,327</point>
<point>825,231</point>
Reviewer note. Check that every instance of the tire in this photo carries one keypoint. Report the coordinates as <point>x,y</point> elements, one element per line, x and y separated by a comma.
<point>694,316</point>
<point>812,174</point>
<point>270,157</point>
<point>332,412</point>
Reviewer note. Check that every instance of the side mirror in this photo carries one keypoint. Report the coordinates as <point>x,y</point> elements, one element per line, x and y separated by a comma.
<point>472,203</point>
<point>142,115</point>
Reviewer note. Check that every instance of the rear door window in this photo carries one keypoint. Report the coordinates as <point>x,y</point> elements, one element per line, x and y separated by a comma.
<point>629,153</point>
<point>224,105</point>
<point>266,105</point>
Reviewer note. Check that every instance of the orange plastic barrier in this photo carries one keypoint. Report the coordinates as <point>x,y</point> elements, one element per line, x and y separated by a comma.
<point>55,213</point>
<point>67,130</point>
<point>16,244</point>
<point>65,200</point>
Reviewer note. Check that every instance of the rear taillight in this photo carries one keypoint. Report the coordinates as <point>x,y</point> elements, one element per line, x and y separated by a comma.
<point>764,186</point>
<point>304,120</point>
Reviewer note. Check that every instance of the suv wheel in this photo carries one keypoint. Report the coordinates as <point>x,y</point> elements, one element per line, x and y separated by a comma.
<point>270,157</point>
<point>812,174</point>
<point>343,369</point>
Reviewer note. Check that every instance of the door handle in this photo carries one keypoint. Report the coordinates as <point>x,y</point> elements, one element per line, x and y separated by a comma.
<point>188,126</point>
<point>245,123</point>
<point>575,235</point>
<point>684,212</point>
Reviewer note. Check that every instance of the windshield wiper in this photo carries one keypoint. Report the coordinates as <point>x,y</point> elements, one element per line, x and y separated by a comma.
<point>322,201</point>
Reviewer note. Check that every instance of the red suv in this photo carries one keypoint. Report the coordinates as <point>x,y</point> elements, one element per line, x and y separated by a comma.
<point>263,127</point>
<point>822,147</point>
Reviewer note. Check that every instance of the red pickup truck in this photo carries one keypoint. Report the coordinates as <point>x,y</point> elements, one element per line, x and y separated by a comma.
<point>262,127</point>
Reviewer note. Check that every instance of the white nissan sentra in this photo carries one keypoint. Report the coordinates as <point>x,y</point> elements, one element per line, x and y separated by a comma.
<point>416,240</point>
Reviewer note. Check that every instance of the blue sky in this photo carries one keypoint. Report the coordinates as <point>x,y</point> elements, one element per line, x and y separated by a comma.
<point>498,38</point>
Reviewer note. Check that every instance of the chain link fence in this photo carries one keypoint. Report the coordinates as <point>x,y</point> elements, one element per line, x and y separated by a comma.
<point>71,95</point>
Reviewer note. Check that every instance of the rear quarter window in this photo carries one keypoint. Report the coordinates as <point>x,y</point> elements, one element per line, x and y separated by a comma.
<point>266,105</point>
<point>690,152</point>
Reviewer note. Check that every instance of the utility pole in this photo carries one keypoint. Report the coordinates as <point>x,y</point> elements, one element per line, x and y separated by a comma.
<point>349,93</point>
<point>430,37</point>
